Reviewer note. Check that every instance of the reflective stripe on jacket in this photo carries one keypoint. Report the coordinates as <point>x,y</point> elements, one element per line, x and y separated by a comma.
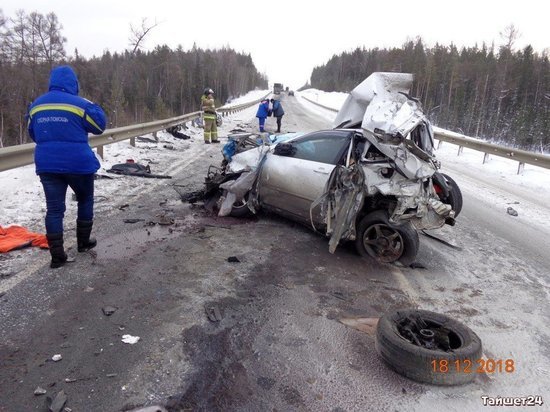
<point>59,122</point>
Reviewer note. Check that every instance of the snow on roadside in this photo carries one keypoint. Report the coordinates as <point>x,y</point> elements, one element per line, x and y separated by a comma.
<point>248,97</point>
<point>22,200</point>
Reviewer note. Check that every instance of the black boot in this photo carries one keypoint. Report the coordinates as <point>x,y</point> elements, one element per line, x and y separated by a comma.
<point>83,231</point>
<point>59,257</point>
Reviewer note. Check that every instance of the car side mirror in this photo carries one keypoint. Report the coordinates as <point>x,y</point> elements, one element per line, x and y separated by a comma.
<point>284,149</point>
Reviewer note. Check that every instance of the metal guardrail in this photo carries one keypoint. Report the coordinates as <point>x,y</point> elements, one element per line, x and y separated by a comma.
<point>320,105</point>
<point>462,141</point>
<point>21,155</point>
<point>521,156</point>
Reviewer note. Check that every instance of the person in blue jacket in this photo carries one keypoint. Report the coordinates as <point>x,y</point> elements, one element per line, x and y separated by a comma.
<point>59,122</point>
<point>278,112</point>
<point>262,113</point>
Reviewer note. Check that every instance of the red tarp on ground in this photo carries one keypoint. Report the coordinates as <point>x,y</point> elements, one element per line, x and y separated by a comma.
<point>17,237</point>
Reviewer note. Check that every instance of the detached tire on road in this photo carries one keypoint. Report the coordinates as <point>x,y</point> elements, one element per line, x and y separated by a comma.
<point>428,347</point>
<point>378,238</point>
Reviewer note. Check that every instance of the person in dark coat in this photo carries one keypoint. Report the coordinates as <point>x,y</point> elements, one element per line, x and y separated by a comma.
<point>59,122</point>
<point>278,112</point>
<point>263,113</point>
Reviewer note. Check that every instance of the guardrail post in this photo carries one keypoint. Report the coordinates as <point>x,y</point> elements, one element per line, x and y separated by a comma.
<point>521,166</point>
<point>485,157</point>
<point>439,143</point>
<point>133,141</point>
<point>155,135</point>
<point>100,151</point>
<point>460,149</point>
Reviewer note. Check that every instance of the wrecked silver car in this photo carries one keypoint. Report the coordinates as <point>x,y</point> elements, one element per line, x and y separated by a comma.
<point>373,179</point>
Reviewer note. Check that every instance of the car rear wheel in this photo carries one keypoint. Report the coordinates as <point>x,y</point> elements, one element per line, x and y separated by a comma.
<point>428,347</point>
<point>455,195</point>
<point>385,241</point>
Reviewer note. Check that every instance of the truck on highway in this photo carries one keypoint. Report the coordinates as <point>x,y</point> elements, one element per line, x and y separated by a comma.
<point>277,88</point>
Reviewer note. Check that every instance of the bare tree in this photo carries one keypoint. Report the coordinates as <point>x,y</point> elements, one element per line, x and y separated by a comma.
<point>51,40</point>
<point>510,34</point>
<point>137,35</point>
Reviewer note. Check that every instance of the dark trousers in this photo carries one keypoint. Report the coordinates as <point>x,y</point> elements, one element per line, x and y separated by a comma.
<point>279,118</point>
<point>55,188</point>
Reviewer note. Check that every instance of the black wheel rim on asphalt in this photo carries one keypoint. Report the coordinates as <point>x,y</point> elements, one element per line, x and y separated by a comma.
<point>429,334</point>
<point>383,242</point>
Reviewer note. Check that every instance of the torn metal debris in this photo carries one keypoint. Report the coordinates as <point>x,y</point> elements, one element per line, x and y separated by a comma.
<point>213,313</point>
<point>108,310</point>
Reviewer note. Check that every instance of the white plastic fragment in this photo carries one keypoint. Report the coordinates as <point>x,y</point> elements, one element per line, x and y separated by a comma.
<point>130,339</point>
<point>39,391</point>
<point>57,357</point>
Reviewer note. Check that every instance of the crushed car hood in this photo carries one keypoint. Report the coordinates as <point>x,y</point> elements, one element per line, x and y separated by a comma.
<point>380,85</point>
<point>387,114</point>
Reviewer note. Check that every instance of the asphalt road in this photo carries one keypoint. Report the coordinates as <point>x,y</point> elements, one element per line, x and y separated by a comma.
<point>279,344</point>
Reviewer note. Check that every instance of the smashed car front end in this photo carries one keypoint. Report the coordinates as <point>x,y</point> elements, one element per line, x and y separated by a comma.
<point>397,161</point>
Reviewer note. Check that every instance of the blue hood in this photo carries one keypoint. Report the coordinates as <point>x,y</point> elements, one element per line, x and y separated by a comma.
<point>64,78</point>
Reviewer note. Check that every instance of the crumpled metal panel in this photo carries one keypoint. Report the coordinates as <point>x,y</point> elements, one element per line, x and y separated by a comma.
<point>345,201</point>
<point>377,84</point>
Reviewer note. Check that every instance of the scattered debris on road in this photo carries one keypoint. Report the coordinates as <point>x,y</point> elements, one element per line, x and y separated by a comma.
<point>133,220</point>
<point>39,391</point>
<point>213,313</point>
<point>58,402</point>
<point>129,339</point>
<point>109,310</point>
<point>439,240</point>
<point>233,259</point>
<point>511,211</point>
<point>100,176</point>
<point>57,357</point>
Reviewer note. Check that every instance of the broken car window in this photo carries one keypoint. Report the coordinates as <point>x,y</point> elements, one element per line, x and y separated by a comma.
<point>326,147</point>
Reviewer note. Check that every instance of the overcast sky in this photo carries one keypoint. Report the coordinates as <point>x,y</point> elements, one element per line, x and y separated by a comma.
<point>287,38</point>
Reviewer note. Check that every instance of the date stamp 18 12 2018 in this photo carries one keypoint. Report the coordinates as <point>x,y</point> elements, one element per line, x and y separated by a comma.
<point>512,400</point>
<point>473,366</point>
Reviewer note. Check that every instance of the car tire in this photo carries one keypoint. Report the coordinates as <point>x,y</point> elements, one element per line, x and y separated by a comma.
<point>240,209</point>
<point>455,195</point>
<point>387,242</point>
<point>454,363</point>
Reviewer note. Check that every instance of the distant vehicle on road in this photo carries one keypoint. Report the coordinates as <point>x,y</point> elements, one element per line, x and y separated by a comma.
<point>291,93</point>
<point>277,88</point>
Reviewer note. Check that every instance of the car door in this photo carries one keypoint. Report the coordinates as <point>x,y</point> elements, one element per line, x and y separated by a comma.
<point>290,183</point>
